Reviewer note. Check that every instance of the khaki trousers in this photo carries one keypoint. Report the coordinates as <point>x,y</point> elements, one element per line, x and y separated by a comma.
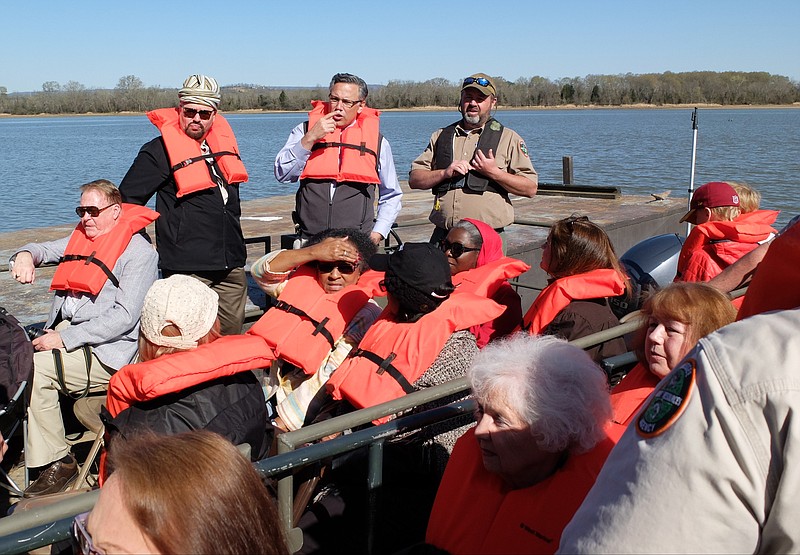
<point>46,436</point>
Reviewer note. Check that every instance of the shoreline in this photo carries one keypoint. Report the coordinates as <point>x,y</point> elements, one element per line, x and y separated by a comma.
<point>448,109</point>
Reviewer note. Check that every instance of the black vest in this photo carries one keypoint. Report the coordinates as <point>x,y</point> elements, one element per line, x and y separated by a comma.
<point>443,157</point>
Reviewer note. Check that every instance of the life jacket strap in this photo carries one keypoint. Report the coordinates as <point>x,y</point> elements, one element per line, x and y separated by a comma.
<point>92,260</point>
<point>385,365</point>
<point>319,327</point>
<point>362,148</point>
<point>189,161</point>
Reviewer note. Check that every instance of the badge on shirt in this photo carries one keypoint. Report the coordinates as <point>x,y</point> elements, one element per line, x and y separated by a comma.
<point>495,126</point>
<point>523,148</point>
<point>668,401</point>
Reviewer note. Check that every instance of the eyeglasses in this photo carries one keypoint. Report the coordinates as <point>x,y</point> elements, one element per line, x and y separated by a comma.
<point>344,268</point>
<point>483,82</point>
<point>456,249</point>
<point>93,211</point>
<point>334,100</point>
<point>81,540</point>
<point>191,113</point>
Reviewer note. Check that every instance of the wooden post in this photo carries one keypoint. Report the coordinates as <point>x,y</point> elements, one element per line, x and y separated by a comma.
<point>567,170</point>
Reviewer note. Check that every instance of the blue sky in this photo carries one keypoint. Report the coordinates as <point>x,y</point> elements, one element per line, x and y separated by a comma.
<point>303,42</point>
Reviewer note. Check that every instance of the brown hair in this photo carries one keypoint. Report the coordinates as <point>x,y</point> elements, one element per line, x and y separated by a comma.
<point>105,188</point>
<point>578,246</point>
<point>749,198</point>
<point>195,493</point>
<point>149,350</point>
<point>699,306</point>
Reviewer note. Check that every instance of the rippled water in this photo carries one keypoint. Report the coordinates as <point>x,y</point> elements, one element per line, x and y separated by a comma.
<point>43,160</point>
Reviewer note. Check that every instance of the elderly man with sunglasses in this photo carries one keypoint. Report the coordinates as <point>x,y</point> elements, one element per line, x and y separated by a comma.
<point>340,157</point>
<point>104,271</point>
<point>194,169</point>
<point>473,165</point>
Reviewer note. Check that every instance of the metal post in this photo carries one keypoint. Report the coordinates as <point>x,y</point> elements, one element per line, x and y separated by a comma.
<point>567,170</point>
<point>374,483</point>
<point>694,159</point>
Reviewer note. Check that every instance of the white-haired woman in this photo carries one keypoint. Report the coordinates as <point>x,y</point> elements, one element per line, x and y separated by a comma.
<point>543,408</point>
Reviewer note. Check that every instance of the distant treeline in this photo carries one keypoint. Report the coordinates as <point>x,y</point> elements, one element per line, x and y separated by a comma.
<point>699,87</point>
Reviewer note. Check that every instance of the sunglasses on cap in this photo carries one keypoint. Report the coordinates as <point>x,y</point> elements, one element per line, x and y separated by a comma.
<point>93,211</point>
<point>483,82</point>
<point>456,249</point>
<point>344,268</point>
<point>191,113</point>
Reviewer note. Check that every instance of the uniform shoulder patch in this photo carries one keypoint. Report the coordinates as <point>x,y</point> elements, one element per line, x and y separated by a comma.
<point>668,401</point>
<point>495,126</point>
<point>523,148</point>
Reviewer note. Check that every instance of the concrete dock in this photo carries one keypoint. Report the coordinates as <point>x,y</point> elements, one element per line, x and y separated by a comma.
<point>627,220</point>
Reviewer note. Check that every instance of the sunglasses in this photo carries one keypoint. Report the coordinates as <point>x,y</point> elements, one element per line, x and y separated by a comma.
<point>345,268</point>
<point>456,249</point>
<point>191,113</point>
<point>93,211</point>
<point>477,80</point>
<point>81,540</point>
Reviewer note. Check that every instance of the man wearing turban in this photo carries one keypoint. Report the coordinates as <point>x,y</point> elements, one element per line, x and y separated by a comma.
<point>194,169</point>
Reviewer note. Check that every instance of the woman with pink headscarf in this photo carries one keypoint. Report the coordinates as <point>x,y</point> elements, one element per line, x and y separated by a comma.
<point>475,253</point>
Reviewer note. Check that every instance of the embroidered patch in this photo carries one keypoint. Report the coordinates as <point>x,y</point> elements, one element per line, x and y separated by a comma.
<point>495,126</point>
<point>523,148</point>
<point>668,401</point>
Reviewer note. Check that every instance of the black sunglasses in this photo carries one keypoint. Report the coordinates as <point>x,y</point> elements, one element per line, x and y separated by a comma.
<point>479,80</point>
<point>345,268</point>
<point>93,211</point>
<point>191,113</point>
<point>456,249</point>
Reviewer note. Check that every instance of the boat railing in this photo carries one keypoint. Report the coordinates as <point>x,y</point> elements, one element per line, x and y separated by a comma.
<point>29,530</point>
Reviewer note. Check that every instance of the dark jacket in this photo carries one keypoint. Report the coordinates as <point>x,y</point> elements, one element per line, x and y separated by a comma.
<point>232,406</point>
<point>582,318</point>
<point>198,232</point>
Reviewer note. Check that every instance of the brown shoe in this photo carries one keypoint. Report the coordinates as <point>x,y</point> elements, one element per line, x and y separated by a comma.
<point>53,479</point>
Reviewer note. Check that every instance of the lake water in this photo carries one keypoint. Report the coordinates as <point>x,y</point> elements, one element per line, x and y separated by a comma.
<point>43,160</point>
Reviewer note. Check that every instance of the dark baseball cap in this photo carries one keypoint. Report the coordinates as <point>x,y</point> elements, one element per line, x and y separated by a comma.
<point>712,195</point>
<point>422,266</point>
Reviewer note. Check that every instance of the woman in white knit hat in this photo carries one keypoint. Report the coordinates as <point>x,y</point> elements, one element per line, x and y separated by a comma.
<point>179,315</point>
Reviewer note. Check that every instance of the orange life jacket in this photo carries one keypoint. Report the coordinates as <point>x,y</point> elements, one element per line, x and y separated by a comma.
<point>774,285</point>
<point>628,396</point>
<point>392,355</point>
<point>487,279</point>
<point>87,263</point>
<point>357,159</point>
<point>184,152</point>
<point>748,228</point>
<point>475,511</point>
<point>554,298</point>
<point>228,355</point>
<point>305,324</point>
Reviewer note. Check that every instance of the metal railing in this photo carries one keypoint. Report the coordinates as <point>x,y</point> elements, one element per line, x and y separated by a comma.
<point>22,532</point>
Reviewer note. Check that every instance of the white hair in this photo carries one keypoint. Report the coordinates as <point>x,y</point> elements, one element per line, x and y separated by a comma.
<point>553,386</point>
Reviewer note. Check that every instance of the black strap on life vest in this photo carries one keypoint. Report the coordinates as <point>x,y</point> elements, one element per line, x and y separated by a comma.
<point>362,148</point>
<point>319,327</point>
<point>385,365</point>
<point>194,159</point>
<point>92,260</point>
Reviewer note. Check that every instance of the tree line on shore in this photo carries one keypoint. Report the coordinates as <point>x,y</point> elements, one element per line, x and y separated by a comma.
<point>728,88</point>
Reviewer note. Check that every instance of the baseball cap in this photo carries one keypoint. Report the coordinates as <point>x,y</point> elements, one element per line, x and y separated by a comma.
<point>712,195</point>
<point>480,81</point>
<point>422,266</point>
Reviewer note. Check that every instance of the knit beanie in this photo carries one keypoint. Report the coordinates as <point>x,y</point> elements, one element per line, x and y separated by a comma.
<point>200,89</point>
<point>183,301</point>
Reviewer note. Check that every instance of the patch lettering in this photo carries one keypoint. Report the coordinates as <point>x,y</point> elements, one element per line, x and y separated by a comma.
<point>668,401</point>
